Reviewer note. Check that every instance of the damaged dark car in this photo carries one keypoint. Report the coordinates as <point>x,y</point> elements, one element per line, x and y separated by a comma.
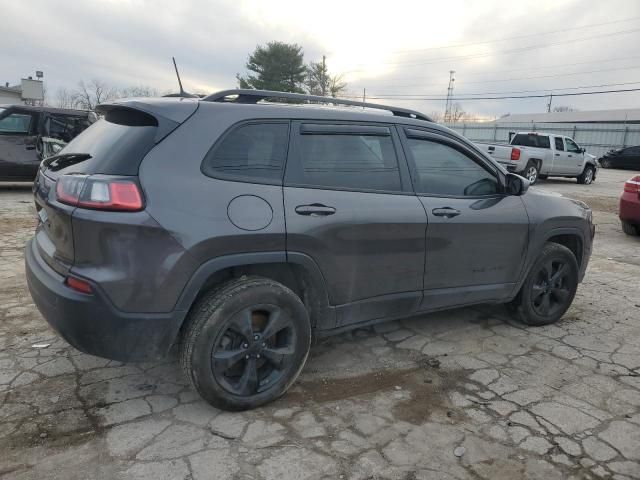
<point>29,134</point>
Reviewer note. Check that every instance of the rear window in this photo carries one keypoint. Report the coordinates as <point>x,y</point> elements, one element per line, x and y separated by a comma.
<point>559,143</point>
<point>531,140</point>
<point>358,162</point>
<point>112,148</point>
<point>253,152</point>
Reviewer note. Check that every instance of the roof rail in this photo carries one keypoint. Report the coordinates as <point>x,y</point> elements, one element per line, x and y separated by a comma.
<point>254,96</point>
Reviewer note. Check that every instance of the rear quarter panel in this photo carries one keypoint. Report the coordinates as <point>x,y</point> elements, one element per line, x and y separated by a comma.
<point>192,206</point>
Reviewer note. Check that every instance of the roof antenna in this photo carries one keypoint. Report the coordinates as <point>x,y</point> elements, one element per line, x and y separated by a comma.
<point>182,92</point>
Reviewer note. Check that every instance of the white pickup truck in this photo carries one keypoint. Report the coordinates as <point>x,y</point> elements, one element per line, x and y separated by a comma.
<point>540,155</point>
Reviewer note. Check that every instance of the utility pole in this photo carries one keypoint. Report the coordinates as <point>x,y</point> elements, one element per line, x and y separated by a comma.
<point>323,77</point>
<point>549,104</point>
<point>364,96</point>
<point>449,102</point>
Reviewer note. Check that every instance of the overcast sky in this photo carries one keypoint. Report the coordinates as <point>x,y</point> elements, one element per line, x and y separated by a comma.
<point>388,47</point>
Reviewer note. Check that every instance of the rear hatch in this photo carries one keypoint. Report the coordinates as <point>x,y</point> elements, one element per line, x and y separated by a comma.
<point>111,148</point>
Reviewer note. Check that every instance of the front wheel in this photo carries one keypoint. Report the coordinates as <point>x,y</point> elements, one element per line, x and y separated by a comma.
<point>531,172</point>
<point>246,343</point>
<point>549,288</point>
<point>586,177</point>
<point>605,163</point>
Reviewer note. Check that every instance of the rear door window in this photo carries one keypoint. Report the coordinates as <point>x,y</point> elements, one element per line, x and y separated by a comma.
<point>253,152</point>
<point>531,140</point>
<point>351,157</point>
<point>559,143</point>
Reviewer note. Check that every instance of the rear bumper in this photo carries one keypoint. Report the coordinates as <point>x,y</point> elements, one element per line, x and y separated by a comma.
<point>512,167</point>
<point>91,324</point>
<point>630,207</point>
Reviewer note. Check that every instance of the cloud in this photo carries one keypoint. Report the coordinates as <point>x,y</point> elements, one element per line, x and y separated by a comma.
<point>389,48</point>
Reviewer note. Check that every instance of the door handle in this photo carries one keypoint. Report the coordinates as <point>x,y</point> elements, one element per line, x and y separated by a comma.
<point>315,210</point>
<point>445,212</point>
<point>570,155</point>
<point>557,154</point>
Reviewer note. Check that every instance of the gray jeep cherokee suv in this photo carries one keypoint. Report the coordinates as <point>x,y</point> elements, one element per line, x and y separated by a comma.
<point>236,227</point>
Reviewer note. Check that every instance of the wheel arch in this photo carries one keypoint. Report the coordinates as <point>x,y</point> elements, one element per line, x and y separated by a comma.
<point>572,238</point>
<point>296,271</point>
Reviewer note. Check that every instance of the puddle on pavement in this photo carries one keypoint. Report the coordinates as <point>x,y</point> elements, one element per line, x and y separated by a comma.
<point>428,388</point>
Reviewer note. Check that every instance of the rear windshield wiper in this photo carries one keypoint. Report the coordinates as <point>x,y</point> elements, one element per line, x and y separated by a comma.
<point>58,162</point>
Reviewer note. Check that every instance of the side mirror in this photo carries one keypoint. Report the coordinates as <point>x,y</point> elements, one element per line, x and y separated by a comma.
<point>582,150</point>
<point>516,185</point>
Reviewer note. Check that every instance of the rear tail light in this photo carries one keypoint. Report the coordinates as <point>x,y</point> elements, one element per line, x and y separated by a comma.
<point>78,285</point>
<point>632,185</point>
<point>100,192</point>
<point>515,154</point>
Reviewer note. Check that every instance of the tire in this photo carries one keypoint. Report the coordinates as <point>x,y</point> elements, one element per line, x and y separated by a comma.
<point>245,343</point>
<point>629,228</point>
<point>605,163</point>
<point>586,177</point>
<point>543,176</point>
<point>549,288</point>
<point>531,172</point>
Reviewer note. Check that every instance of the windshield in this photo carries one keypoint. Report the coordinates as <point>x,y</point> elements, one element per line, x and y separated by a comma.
<point>15,123</point>
<point>531,140</point>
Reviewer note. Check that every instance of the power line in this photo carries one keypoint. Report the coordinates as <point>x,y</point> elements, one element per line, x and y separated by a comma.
<point>539,34</point>
<point>502,52</point>
<point>504,93</point>
<point>493,72</point>
<point>511,97</point>
<point>534,77</point>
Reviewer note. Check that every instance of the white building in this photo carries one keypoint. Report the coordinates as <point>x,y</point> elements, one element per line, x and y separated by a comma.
<point>28,92</point>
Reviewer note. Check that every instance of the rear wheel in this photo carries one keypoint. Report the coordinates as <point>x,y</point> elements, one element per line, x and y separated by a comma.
<point>246,343</point>
<point>586,177</point>
<point>629,228</point>
<point>549,288</point>
<point>531,172</point>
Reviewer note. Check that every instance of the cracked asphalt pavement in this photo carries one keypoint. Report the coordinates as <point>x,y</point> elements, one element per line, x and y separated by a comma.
<point>462,394</point>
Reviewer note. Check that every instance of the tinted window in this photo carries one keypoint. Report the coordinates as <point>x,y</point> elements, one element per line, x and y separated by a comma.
<point>531,140</point>
<point>111,148</point>
<point>571,145</point>
<point>15,123</point>
<point>559,143</point>
<point>252,152</point>
<point>359,162</point>
<point>443,170</point>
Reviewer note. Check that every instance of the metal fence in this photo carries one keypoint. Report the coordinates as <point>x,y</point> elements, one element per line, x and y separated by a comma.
<point>597,138</point>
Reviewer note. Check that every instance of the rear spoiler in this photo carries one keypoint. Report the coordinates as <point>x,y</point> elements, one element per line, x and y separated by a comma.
<point>164,113</point>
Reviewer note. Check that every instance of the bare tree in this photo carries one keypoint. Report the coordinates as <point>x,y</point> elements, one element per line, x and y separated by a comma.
<point>436,116</point>
<point>318,80</point>
<point>65,98</point>
<point>457,113</point>
<point>88,95</point>
<point>137,91</point>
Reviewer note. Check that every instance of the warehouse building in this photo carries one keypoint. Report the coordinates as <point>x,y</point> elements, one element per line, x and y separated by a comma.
<point>620,116</point>
<point>598,131</point>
